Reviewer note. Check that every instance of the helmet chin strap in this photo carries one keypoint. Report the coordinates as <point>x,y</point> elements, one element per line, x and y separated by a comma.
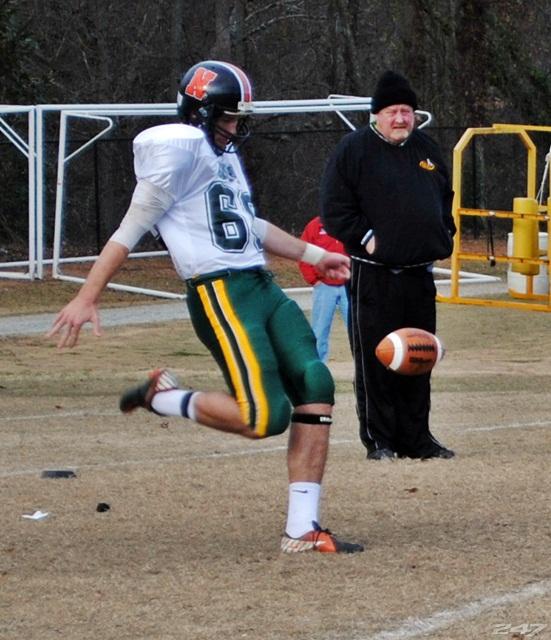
<point>234,141</point>
<point>205,119</point>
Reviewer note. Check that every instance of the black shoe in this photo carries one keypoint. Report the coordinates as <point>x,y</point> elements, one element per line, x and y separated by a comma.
<point>440,452</point>
<point>381,454</point>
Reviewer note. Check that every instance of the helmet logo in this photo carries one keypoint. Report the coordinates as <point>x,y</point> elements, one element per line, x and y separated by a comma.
<point>197,86</point>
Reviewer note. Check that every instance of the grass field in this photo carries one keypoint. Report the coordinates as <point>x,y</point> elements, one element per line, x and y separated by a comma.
<point>188,550</point>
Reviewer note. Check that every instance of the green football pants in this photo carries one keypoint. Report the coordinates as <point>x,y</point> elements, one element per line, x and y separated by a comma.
<point>263,344</point>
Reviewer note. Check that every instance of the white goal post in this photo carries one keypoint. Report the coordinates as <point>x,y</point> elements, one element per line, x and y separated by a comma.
<point>103,114</point>
<point>27,148</point>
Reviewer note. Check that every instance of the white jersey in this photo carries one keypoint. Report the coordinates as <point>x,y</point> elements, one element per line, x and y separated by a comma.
<point>209,227</point>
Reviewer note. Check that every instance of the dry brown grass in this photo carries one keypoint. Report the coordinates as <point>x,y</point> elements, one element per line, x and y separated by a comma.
<point>49,295</point>
<point>189,548</point>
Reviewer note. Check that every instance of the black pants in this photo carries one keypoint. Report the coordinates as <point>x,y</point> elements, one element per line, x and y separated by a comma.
<point>393,410</point>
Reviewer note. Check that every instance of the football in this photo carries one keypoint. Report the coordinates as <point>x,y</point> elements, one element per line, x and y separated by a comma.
<point>410,351</point>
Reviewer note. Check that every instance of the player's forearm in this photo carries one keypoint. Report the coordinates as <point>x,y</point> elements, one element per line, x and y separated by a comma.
<point>108,263</point>
<point>280,243</point>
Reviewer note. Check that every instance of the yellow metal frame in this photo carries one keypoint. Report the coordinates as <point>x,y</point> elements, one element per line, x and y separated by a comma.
<point>543,215</point>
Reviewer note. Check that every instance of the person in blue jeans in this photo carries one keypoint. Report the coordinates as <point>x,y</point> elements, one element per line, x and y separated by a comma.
<point>329,294</point>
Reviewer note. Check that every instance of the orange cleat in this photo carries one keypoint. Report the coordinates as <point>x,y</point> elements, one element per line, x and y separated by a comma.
<point>318,540</point>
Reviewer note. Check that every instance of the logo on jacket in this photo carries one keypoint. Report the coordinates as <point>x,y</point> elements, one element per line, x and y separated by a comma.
<point>427,165</point>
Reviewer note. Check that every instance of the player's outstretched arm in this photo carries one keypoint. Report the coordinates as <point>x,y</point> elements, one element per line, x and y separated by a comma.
<point>83,307</point>
<point>281,243</point>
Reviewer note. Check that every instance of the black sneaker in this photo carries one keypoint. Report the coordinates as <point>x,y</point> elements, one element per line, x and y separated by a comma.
<point>440,452</point>
<point>381,454</point>
<point>142,395</point>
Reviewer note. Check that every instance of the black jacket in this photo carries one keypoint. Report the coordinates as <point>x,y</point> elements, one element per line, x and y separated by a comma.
<point>401,193</point>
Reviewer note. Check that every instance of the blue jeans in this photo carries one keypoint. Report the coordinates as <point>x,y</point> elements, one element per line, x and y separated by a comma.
<point>326,300</point>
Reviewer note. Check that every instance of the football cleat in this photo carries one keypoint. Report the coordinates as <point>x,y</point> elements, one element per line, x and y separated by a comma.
<point>142,395</point>
<point>318,539</point>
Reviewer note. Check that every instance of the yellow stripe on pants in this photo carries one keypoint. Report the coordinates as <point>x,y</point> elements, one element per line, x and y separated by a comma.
<point>253,381</point>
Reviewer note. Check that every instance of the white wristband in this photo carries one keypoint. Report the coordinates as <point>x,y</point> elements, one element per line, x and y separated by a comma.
<point>312,254</point>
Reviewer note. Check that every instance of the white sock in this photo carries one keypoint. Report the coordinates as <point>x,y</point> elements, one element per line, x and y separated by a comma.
<point>191,414</point>
<point>169,403</point>
<point>304,499</point>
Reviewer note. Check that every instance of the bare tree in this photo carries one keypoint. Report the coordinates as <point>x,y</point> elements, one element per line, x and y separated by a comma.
<point>472,62</point>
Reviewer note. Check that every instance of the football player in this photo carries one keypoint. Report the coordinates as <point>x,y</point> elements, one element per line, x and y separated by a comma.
<point>191,189</point>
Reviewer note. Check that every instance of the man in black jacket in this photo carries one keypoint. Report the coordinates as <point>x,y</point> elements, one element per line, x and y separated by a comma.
<point>386,195</point>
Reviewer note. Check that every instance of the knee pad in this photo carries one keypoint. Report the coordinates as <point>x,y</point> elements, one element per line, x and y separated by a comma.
<point>315,386</point>
<point>312,418</point>
<point>319,386</point>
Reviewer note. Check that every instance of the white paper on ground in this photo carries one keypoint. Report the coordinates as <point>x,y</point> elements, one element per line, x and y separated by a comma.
<point>37,515</point>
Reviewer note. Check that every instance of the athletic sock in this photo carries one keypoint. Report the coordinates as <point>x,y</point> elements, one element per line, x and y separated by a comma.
<point>187,407</point>
<point>304,499</point>
<point>175,402</point>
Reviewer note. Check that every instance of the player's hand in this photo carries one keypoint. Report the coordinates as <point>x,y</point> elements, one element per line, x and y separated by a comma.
<point>70,319</point>
<point>335,266</point>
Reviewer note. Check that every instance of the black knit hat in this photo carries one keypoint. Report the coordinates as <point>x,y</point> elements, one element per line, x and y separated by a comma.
<point>392,88</point>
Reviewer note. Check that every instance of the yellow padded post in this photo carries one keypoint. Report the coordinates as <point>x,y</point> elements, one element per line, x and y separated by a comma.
<point>525,236</point>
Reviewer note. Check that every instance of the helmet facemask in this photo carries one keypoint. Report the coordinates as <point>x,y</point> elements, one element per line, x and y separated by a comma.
<point>206,118</point>
<point>234,140</point>
<point>210,90</point>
